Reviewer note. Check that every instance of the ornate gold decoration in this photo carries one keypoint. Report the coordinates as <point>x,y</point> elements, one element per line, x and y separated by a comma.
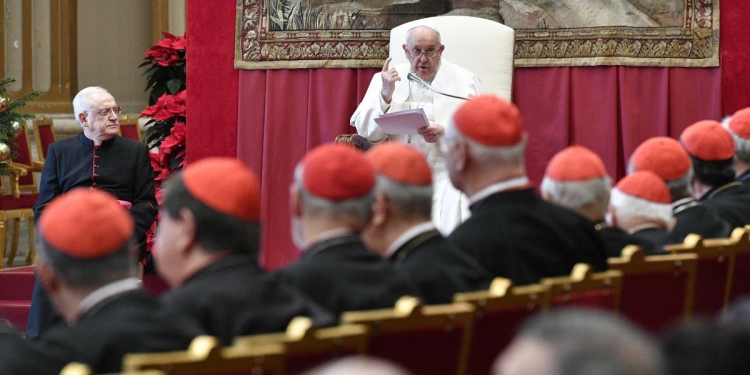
<point>357,44</point>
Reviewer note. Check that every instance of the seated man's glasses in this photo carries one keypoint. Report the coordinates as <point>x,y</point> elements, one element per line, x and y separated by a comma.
<point>105,111</point>
<point>418,53</point>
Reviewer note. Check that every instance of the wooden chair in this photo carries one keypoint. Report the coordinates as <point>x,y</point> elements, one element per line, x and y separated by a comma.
<point>307,347</point>
<point>206,356</point>
<point>739,273</point>
<point>424,339</point>
<point>657,289</point>
<point>75,368</point>
<point>129,128</point>
<point>44,135</point>
<point>713,281</point>
<point>585,288</point>
<point>17,200</point>
<point>499,312</point>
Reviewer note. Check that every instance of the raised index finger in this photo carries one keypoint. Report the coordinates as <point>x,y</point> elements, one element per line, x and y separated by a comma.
<point>385,66</point>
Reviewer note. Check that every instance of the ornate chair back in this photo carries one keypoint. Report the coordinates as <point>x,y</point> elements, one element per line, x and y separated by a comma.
<point>129,128</point>
<point>400,334</point>
<point>657,289</point>
<point>740,272</point>
<point>206,356</point>
<point>499,312</point>
<point>307,346</point>
<point>712,281</point>
<point>585,288</point>
<point>44,135</point>
<point>484,47</point>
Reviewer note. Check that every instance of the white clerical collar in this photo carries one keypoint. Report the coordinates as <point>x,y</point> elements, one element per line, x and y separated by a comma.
<point>109,290</point>
<point>408,235</point>
<point>498,187</point>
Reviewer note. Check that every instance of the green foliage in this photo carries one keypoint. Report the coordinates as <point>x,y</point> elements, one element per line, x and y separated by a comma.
<point>10,113</point>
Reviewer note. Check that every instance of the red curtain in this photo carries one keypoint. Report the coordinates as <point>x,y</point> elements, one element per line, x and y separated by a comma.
<point>277,115</point>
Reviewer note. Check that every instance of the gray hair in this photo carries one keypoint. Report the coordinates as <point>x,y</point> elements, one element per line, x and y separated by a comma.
<point>83,101</point>
<point>359,208</point>
<point>680,187</point>
<point>94,272</point>
<point>576,194</point>
<point>741,145</point>
<point>595,338</point>
<point>426,25</point>
<point>487,156</point>
<point>407,200</point>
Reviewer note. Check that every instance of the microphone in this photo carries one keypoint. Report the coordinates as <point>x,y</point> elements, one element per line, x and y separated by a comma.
<point>413,77</point>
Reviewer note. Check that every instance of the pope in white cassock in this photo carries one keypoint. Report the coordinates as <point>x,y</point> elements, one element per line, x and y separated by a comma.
<point>390,91</point>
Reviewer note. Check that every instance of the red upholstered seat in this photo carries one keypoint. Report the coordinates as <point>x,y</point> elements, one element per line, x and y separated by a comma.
<point>129,128</point>
<point>657,290</point>
<point>424,339</point>
<point>17,205</point>
<point>44,135</point>
<point>499,313</point>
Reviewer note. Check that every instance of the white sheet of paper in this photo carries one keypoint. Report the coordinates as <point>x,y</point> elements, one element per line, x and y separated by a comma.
<point>403,122</point>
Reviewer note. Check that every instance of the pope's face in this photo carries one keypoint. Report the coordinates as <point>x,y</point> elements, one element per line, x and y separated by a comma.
<point>98,126</point>
<point>423,50</point>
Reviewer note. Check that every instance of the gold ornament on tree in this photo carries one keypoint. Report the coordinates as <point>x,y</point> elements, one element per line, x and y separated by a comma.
<point>15,128</point>
<point>4,152</point>
<point>4,104</point>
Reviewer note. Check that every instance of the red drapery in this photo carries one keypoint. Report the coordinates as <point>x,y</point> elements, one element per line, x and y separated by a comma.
<point>271,118</point>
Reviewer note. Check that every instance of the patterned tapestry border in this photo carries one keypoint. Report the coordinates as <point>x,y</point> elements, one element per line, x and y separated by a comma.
<point>694,44</point>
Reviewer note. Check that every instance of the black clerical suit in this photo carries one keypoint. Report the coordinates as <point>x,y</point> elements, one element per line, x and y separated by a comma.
<point>342,275</point>
<point>517,235</point>
<point>233,297</point>
<point>694,217</point>
<point>125,323</point>
<point>615,239</point>
<point>655,239</point>
<point>439,269</point>
<point>745,178</point>
<point>731,202</point>
<point>121,167</point>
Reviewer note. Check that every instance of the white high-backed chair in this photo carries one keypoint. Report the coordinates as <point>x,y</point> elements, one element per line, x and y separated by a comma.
<point>484,47</point>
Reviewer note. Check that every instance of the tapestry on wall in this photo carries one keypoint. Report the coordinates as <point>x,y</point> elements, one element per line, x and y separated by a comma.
<point>289,34</point>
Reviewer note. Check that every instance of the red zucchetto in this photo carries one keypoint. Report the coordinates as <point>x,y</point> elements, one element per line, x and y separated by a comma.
<point>645,185</point>
<point>663,156</point>
<point>400,163</point>
<point>225,184</point>
<point>575,163</point>
<point>86,224</point>
<point>490,121</point>
<point>337,172</point>
<point>708,140</point>
<point>740,123</point>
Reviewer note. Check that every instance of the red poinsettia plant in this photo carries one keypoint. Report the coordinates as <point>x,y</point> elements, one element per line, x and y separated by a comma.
<point>165,130</point>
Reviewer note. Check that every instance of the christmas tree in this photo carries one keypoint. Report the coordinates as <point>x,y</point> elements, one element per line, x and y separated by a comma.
<point>10,123</point>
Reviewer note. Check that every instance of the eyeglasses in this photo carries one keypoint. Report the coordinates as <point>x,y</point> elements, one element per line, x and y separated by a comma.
<point>418,53</point>
<point>105,111</point>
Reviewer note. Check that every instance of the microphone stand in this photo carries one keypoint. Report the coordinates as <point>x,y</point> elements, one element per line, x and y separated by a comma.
<point>413,77</point>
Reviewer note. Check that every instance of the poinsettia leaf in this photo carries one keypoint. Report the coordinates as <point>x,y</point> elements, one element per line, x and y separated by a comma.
<point>174,85</point>
<point>147,62</point>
